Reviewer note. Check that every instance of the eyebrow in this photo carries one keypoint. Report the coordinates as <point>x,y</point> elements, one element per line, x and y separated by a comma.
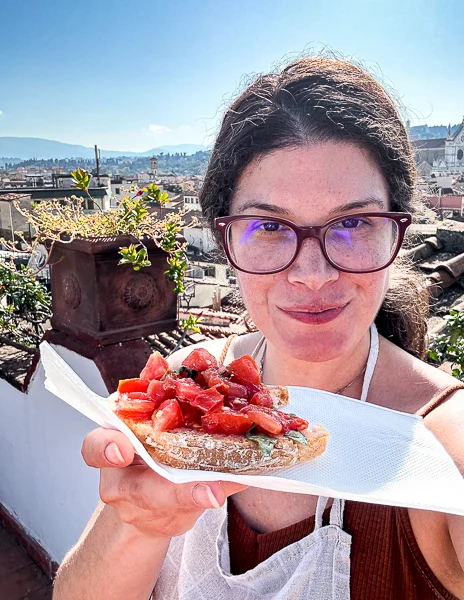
<point>264,206</point>
<point>358,204</point>
<point>279,210</point>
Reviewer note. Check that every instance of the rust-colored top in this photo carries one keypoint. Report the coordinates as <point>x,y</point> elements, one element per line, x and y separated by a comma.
<point>386,562</point>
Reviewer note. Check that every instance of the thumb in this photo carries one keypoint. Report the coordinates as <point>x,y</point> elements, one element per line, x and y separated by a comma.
<point>223,489</point>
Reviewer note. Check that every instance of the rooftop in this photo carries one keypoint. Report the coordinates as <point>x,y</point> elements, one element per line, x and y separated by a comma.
<point>443,267</point>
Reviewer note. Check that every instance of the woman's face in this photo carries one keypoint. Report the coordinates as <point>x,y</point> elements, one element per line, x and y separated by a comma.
<point>311,311</point>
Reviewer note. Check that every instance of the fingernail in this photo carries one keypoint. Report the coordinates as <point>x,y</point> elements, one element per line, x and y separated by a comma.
<point>114,455</point>
<point>204,497</point>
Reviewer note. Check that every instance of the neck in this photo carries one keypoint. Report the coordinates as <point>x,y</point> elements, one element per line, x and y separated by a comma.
<point>330,375</point>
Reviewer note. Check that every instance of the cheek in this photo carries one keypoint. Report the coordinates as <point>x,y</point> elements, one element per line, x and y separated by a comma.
<point>372,288</point>
<point>254,290</point>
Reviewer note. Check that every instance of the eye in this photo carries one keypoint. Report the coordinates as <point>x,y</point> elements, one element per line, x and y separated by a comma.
<point>271,226</point>
<point>352,223</point>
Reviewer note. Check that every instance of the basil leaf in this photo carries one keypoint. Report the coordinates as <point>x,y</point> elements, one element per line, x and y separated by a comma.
<point>297,436</point>
<point>265,442</point>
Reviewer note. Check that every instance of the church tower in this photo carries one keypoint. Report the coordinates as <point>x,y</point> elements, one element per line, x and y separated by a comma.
<point>154,165</point>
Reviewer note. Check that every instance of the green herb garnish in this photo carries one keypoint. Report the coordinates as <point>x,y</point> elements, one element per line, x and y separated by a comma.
<point>265,442</point>
<point>186,372</point>
<point>296,436</point>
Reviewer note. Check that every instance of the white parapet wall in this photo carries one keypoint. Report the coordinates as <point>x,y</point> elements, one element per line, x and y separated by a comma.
<point>44,482</point>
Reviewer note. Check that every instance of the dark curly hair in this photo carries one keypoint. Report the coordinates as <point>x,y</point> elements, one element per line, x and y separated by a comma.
<point>314,100</point>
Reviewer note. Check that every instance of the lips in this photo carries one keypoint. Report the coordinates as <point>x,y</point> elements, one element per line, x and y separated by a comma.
<point>313,315</point>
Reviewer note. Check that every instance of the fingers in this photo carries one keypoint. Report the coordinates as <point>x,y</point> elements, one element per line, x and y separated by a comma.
<point>105,448</point>
<point>148,490</point>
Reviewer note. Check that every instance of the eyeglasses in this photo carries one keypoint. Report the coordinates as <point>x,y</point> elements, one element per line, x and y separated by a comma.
<point>357,243</point>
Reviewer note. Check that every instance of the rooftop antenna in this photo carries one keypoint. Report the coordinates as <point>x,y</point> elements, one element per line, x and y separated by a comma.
<point>97,160</point>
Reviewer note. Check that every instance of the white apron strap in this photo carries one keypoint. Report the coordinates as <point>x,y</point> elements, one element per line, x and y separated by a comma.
<point>336,512</point>
<point>371,362</point>
<point>320,508</point>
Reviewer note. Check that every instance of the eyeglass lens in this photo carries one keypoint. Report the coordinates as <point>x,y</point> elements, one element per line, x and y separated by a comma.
<point>358,244</point>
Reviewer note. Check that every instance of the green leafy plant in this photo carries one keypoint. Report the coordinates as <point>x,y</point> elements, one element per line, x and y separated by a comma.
<point>450,346</point>
<point>188,324</point>
<point>67,220</point>
<point>191,323</point>
<point>25,306</point>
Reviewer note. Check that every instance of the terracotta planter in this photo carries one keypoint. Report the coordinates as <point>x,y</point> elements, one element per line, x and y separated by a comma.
<point>102,302</point>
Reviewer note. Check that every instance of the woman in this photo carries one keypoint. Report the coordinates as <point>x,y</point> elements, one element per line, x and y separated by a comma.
<point>319,144</point>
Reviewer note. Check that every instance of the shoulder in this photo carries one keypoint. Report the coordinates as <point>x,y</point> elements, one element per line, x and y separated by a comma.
<point>408,383</point>
<point>243,344</point>
<point>447,424</point>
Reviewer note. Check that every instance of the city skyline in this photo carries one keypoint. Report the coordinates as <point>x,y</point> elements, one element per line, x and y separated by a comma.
<point>162,74</point>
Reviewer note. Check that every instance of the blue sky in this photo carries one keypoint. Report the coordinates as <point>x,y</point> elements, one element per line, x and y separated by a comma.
<point>135,74</point>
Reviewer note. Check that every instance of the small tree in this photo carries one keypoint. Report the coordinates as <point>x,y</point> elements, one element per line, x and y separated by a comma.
<point>450,346</point>
<point>25,306</point>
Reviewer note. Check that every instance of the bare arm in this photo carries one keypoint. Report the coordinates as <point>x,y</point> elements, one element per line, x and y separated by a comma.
<point>111,560</point>
<point>122,549</point>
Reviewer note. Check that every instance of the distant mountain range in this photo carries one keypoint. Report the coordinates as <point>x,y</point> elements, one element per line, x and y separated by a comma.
<point>26,148</point>
<point>22,148</point>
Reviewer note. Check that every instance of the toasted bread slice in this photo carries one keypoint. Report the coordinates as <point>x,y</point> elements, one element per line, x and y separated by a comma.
<point>193,449</point>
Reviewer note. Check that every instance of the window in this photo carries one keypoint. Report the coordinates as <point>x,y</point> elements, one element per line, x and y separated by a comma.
<point>117,191</point>
<point>460,154</point>
<point>210,271</point>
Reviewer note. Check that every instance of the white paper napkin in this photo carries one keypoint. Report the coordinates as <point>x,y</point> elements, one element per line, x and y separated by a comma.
<point>374,454</point>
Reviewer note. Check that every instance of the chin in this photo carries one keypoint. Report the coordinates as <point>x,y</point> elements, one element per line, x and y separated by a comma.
<point>315,346</point>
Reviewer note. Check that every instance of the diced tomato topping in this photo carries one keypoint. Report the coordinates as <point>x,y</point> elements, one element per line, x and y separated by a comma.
<point>168,416</point>
<point>236,403</point>
<point>236,390</point>
<point>155,368</point>
<point>212,378</point>
<point>208,400</point>
<point>245,370</point>
<point>191,414</point>
<point>169,383</point>
<point>290,423</point>
<point>266,420</point>
<point>134,405</point>
<point>262,398</point>
<point>187,389</point>
<point>252,389</point>
<point>228,423</point>
<point>133,385</point>
<point>200,360</point>
<point>200,380</point>
<point>158,392</point>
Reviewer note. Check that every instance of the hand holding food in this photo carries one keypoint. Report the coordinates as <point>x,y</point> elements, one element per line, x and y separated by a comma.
<point>214,418</point>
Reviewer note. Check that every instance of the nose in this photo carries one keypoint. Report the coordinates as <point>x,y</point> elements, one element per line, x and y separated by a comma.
<point>310,267</point>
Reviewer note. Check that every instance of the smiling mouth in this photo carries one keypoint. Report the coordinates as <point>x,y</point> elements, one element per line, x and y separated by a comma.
<point>314,316</point>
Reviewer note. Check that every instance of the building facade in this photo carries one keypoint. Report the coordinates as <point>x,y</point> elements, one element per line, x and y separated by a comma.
<point>443,155</point>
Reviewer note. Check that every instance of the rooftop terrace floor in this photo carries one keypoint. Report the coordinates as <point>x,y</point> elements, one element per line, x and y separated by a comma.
<point>20,577</point>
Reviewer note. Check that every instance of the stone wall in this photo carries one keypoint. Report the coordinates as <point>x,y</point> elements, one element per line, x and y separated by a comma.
<point>451,234</point>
